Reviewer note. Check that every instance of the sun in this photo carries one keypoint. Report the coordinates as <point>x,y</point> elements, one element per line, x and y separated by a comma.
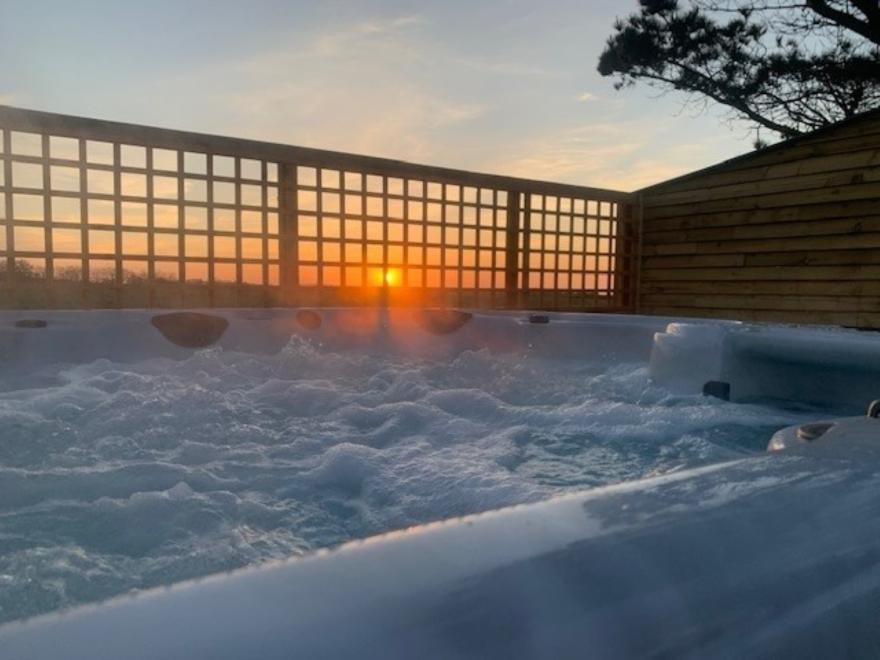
<point>387,277</point>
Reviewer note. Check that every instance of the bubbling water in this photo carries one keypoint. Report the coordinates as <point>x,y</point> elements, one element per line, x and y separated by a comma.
<point>116,477</point>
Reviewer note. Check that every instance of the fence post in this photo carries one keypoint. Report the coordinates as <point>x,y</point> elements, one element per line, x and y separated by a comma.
<point>6,200</point>
<point>511,263</point>
<point>287,256</point>
<point>625,273</point>
<point>525,236</point>
<point>638,237</point>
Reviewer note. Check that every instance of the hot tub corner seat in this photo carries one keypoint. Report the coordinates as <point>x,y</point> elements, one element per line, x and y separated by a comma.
<point>822,366</point>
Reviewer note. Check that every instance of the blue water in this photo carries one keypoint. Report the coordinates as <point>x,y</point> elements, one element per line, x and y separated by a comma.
<point>116,477</point>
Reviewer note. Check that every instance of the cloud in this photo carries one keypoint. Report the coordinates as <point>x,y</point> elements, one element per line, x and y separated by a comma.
<point>503,68</point>
<point>390,87</point>
<point>617,155</point>
<point>357,88</point>
<point>343,40</point>
<point>395,24</point>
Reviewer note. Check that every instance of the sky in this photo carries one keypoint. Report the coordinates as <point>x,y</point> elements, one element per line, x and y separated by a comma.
<point>506,86</point>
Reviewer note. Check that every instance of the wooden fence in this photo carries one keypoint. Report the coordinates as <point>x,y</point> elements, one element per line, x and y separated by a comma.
<point>790,233</point>
<point>104,214</point>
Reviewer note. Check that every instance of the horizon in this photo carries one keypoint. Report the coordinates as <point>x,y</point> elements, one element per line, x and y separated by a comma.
<point>386,81</point>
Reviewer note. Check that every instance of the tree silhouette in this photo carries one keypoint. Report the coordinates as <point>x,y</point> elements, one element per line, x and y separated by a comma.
<point>786,65</point>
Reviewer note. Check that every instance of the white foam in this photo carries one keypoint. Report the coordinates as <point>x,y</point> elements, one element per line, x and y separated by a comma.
<point>124,476</point>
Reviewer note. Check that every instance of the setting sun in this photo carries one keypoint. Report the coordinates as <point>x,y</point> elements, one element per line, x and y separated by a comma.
<point>386,277</point>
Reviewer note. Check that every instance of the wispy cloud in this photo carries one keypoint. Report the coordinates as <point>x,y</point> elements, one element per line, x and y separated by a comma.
<point>353,88</point>
<point>337,42</point>
<point>383,26</point>
<point>619,155</point>
<point>505,87</point>
<point>503,67</point>
<point>387,86</point>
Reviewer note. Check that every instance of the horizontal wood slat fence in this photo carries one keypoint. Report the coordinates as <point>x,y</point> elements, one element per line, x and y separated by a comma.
<point>104,214</point>
<point>790,234</point>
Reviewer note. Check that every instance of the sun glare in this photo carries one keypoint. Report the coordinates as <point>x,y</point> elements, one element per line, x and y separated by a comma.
<point>386,277</point>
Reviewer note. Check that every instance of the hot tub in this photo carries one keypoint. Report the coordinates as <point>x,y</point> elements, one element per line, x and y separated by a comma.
<point>528,485</point>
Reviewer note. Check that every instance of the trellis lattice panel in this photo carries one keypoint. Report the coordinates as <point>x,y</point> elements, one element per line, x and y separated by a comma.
<point>102,214</point>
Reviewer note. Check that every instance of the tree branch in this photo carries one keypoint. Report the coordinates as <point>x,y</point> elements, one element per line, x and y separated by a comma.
<point>786,65</point>
<point>847,20</point>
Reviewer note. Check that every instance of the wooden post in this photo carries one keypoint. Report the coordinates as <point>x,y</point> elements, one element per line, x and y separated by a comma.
<point>8,215</point>
<point>525,237</point>
<point>511,262</point>
<point>287,234</point>
<point>625,257</point>
<point>638,227</point>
